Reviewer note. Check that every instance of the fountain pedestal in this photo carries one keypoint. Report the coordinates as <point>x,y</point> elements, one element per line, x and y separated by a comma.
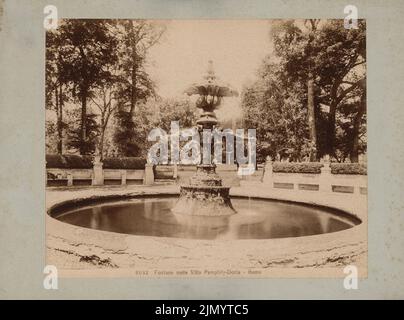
<point>205,195</point>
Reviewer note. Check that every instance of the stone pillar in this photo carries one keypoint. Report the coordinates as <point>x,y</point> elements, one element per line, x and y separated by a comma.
<point>123,177</point>
<point>325,184</point>
<point>268,178</point>
<point>175,175</point>
<point>148,174</point>
<point>69,179</point>
<point>98,173</point>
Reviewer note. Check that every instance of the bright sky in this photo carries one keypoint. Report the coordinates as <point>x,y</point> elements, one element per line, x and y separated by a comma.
<point>236,47</point>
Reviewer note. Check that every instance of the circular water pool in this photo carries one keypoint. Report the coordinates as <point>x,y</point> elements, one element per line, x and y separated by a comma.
<point>255,219</point>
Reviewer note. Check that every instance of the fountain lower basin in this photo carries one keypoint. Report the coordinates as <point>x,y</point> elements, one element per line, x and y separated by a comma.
<point>255,219</point>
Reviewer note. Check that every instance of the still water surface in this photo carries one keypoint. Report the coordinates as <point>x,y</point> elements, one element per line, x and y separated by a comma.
<point>256,219</point>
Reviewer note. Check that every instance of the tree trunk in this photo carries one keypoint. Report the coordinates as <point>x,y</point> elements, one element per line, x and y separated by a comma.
<point>311,114</point>
<point>83,121</point>
<point>335,101</point>
<point>310,90</point>
<point>57,109</point>
<point>331,128</point>
<point>104,122</point>
<point>133,92</point>
<point>60,119</point>
<point>101,145</point>
<point>354,155</point>
<point>133,99</point>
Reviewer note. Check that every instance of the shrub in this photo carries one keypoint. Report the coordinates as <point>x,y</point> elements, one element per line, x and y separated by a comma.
<point>315,167</point>
<point>348,168</point>
<point>297,167</point>
<point>55,161</point>
<point>69,161</point>
<point>124,163</point>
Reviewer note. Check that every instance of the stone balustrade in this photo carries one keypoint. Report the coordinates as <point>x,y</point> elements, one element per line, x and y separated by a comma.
<point>98,176</point>
<point>323,182</point>
<point>264,176</point>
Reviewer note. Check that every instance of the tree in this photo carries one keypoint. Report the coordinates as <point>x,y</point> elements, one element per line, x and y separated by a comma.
<point>350,137</point>
<point>101,64</point>
<point>277,114</point>
<point>88,48</point>
<point>136,37</point>
<point>359,129</point>
<point>56,85</point>
<point>309,98</point>
<point>341,67</point>
<point>92,134</point>
<point>105,101</point>
<point>331,60</point>
<point>294,46</point>
<point>313,23</point>
<point>50,134</point>
<point>168,110</point>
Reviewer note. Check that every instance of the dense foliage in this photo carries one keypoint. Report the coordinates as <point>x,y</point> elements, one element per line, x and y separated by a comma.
<point>124,163</point>
<point>315,167</point>
<point>309,99</point>
<point>293,167</point>
<point>348,168</point>
<point>95,84</point>
<point>68,161</point>
<point>86,162</point>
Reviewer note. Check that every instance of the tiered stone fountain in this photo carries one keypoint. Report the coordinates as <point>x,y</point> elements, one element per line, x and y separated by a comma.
<point>205,194</point>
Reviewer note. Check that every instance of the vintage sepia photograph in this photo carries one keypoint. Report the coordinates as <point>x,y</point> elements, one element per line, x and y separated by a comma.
<point>206,148</point>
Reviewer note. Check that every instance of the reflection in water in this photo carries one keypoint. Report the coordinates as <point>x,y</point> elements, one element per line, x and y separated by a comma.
<point>256,219</point>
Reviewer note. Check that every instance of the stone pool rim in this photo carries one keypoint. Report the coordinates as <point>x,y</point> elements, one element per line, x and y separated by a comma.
<point>296,254</point>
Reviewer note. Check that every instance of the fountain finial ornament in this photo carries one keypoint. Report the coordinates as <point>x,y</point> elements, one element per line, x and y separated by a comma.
<point>210,93</point>
<point>210,73</point>
<point>205,195</point>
